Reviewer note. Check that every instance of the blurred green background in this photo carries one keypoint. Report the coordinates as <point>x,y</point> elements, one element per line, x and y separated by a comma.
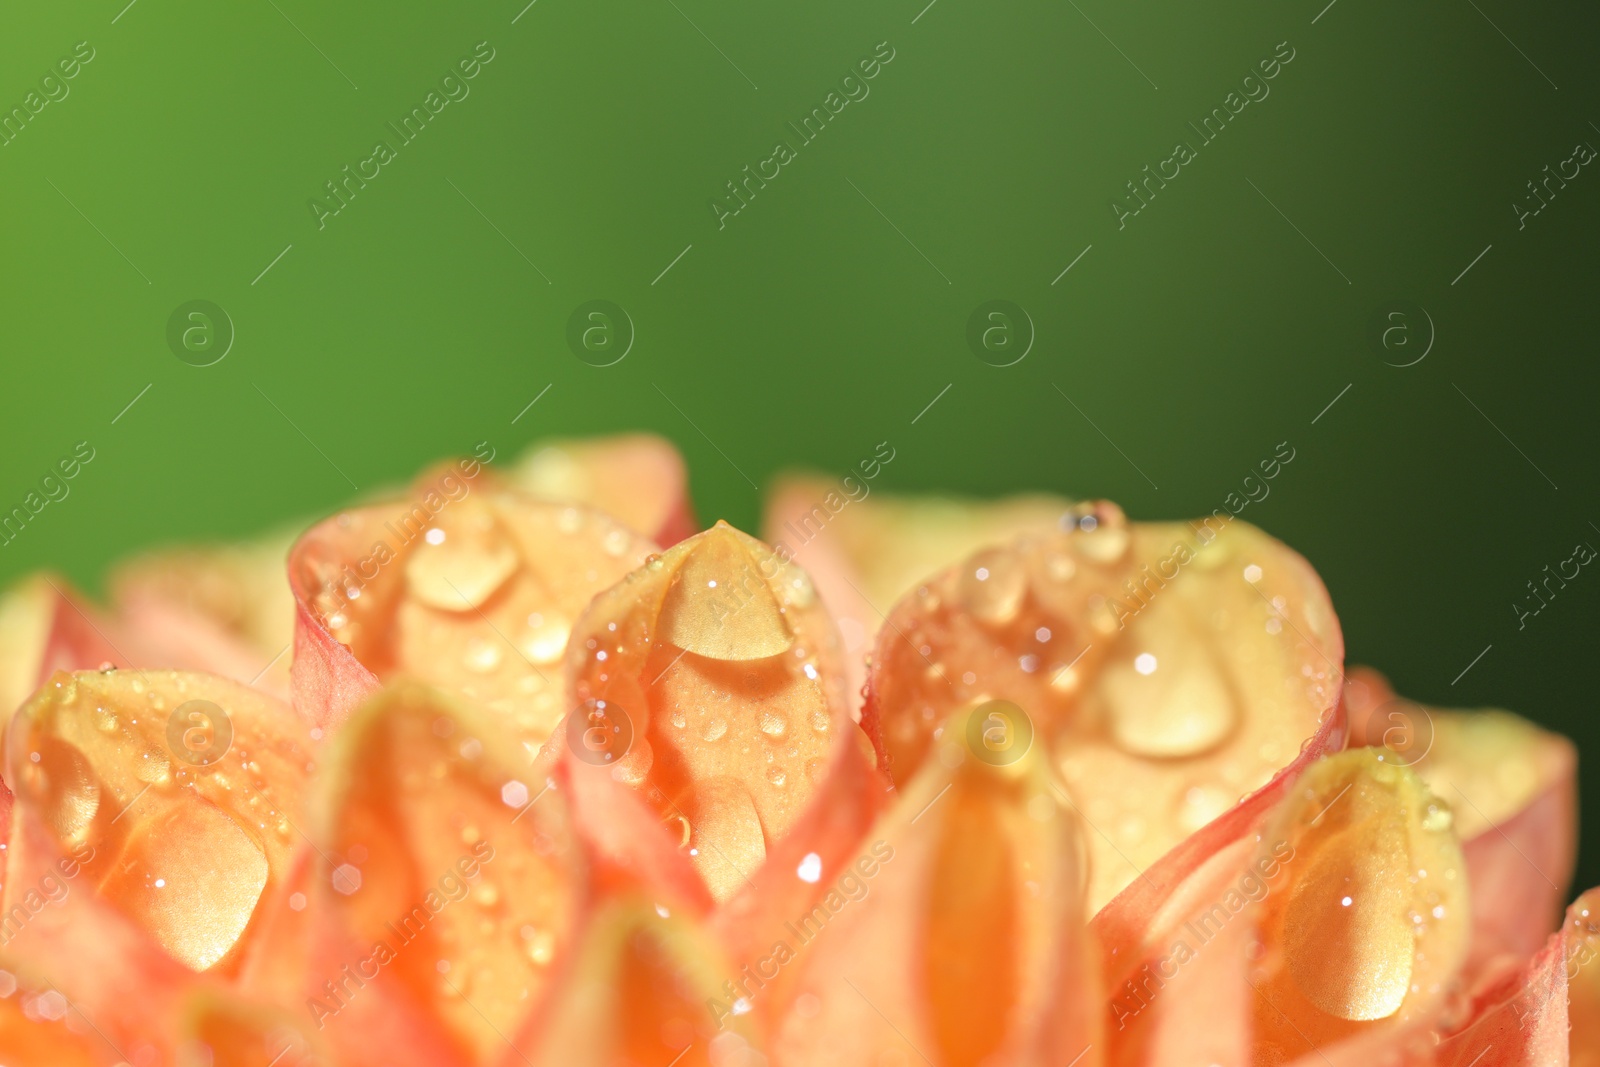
<point>827,315</point>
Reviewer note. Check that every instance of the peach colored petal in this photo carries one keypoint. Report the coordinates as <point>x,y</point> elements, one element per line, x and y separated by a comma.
<point>865,552</point>
<point>462,584</point>
<point>46,626</point>
<point>1513,788</point>
<point>39,1027</point>
<point>638,478</point>
<point>712,680</point>
<point>220,1030</point>
<point>1171,671</point>
<point>957,935</point>
<point>448,887</point>
<point>1364,935</point>
<point>224,609</point>
<point>172,799</point>
<point>1520,1021</point>
<point>638,990</point>
<point>1582,958</point>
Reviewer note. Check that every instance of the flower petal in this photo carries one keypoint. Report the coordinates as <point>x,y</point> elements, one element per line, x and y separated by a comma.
<point>1169,670</point>
<point>638,991</point>
<point>470,588</point>
<point>448,884</point>
<point>159,808</point>
<point>725,671</point>
<point>1513,789</point>
<point>638,478</point>
<point>223,609</point>
<point>1582,958</point>
<point>878,548</point>
<point>1369,926</point>
<point>45,626</point>
<point>957,936</point>
<point>39,1027</point>
<point>220,1030</point>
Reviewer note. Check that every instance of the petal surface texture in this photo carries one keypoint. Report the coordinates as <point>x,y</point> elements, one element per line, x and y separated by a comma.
<point>1167,670</point>
<point>471,588</point>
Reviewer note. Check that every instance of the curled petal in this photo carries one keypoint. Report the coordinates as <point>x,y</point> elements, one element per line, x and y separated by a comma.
<point>465,586</point>
<point>637,478</point>
<point>865,551</point>
<point>1170,671</point>
<point>155,810</point>
<point>957,936</point>
<point>447,888</point>
<point>1513,787</point>
<point>710,680</point>
<point>1365,926</point>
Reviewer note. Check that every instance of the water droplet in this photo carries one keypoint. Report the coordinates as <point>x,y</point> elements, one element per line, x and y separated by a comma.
<point>64,785</point>
<point>1181,710</point>
<point>469,567</point>
<point>774,725</point>
<point>992,586</point>
<point>777,776</point>
<point>715,729</point>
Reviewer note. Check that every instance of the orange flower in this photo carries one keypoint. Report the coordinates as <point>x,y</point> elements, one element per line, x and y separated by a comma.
<point>554,779</point>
